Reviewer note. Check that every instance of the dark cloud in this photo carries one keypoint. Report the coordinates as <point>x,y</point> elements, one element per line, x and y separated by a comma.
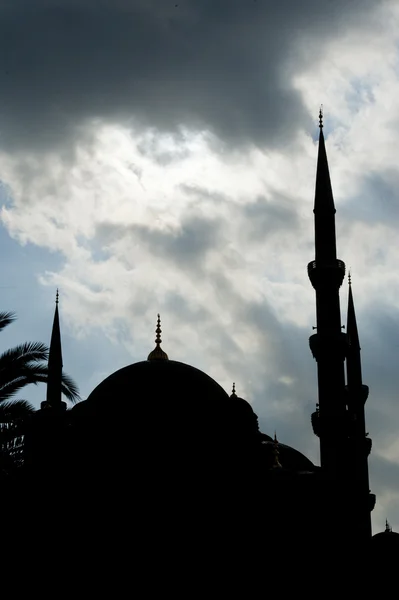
<point>259,219</point>
<point>266,217</point>
<point>218,64</point>
<point>384,474</point>
<point>379,337</point>
<point>377,200</point>
<point>185,246</point>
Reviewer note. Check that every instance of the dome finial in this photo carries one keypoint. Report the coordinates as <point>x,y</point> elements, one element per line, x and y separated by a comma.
<point>276,452</point>
<point>388,528</point>
<point>321,117</point>
<point>233,391</point>
<point>158,353</point>
<point>158,331</point>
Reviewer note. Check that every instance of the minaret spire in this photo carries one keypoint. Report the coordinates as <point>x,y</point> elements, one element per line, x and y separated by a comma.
<point>358,440</point>
<point>353,334</point>
<point>324,208</point>
<point>54,393</point>
<point>328,345</point>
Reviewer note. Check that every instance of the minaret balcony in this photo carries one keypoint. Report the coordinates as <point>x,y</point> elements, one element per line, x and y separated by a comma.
<point>315,419</point>
<point>328,345</point>
<point>323,274</point>
<point>367,446</point>
<point>357,395</point>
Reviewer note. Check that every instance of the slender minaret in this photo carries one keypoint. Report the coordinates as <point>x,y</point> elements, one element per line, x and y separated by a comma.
<point>328,345</point>
<point>54,393</point>
<point>360,444</point>
<point>45,440</point>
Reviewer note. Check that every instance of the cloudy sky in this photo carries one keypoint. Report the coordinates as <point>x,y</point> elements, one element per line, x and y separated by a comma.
<point>160,156</point>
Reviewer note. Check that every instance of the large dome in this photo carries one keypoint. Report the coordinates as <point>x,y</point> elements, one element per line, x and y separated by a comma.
<point>161,394</point>
<point>158,381</point>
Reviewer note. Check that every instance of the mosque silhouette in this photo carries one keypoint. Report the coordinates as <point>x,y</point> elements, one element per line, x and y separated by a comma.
<point>161,457</point>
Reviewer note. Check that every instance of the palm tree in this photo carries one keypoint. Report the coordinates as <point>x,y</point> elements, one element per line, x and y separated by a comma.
<point>20,366</point>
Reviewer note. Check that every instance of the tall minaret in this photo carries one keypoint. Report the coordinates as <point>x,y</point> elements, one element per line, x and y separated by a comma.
<point>360,444</point>
<point>54,394</point>
<point>45,442</point>
<point>328,345</point>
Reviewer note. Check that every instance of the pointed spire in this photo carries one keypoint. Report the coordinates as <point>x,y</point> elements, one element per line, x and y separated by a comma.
<point>351,325</point>
<point>324,201</point>
<point>55,362</point>
<point>158,353</point>
<point>353,358</point>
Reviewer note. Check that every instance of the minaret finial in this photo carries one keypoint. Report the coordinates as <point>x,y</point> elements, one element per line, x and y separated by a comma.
<point>349,277</point>
<point>158,331</point>
<point>321,117</point>
<point>158,353</point>
<point>57,296</point>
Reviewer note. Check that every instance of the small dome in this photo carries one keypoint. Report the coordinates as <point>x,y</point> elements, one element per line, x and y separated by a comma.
<point>386,540</point>
<point>289,458</point>
<point>240,419</point>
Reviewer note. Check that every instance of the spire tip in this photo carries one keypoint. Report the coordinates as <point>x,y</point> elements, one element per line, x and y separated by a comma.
<point>321,117</point>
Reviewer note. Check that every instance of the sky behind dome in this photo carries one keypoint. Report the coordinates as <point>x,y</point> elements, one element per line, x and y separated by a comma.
<point>160,157</point>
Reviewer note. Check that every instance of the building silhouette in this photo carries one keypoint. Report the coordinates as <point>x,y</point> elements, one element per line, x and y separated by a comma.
<point>161,457</point>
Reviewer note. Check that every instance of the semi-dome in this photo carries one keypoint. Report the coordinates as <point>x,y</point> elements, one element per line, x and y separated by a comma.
<point>241,418</point>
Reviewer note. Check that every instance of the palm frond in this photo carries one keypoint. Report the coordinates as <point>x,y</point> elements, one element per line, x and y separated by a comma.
<point>10,388</point>
<point>24,353</point>
<point>18,372</point>
<point>70,388</point>
<point>14,410</point>
<point>6,318</point>
<point>29,370</point>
